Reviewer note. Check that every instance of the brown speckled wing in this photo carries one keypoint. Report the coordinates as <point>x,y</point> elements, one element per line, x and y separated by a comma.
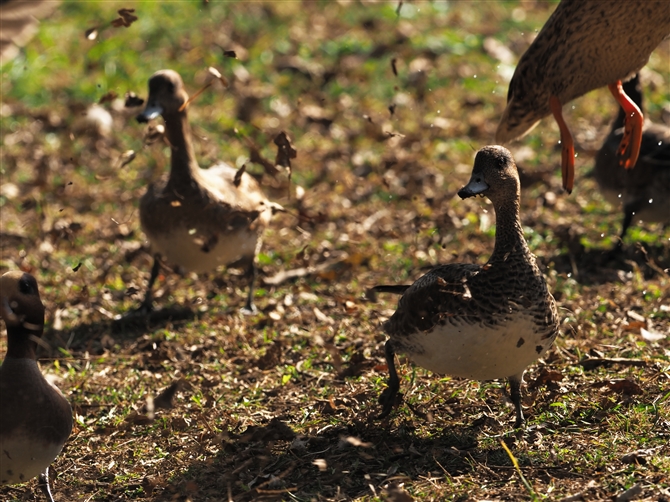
<point>441,292</point>
<point>488,295</point>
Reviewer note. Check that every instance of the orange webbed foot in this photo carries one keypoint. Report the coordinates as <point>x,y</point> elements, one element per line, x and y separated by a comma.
<point>629,148</point>
<point>567,145</point>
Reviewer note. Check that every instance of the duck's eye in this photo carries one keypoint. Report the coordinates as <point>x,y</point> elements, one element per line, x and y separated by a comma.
<point>169,87</point>
<point>25,287</point>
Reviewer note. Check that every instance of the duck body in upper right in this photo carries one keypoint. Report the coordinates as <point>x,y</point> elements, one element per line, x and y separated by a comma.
<point>584,45</point>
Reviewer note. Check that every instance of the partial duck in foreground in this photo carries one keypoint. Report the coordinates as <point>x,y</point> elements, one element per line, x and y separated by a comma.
<point>584,45</point>
<point>478,321</point>
<point>644,191</point>
<point>35,418</point>
<point>198,219</point>
<point>19,22</point>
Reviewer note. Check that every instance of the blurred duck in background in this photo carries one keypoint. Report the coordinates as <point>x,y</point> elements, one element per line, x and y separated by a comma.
<point>645,190</point>
<point>198,219</point>
<point>35,417</point>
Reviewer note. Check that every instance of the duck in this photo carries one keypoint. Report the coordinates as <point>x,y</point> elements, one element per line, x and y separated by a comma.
<point>19,21</point>
<point>198,219</point>
<point>481,322</point>
<point>35,417</point>
<point>584,45</point>
<point>644,191</point>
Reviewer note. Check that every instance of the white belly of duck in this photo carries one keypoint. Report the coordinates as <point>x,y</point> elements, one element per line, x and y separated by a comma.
<point>191,251</point>
<point>23,458</point>
<point>476,351</point>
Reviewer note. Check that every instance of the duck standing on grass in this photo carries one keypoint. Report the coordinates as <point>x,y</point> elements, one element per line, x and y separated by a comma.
<point>478,321</point>
<point>644,191</point>
<point>35,418</point>
<point>198,219</point>
<point>584,45</point>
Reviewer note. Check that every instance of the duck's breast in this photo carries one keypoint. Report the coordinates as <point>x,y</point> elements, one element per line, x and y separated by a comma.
<point>198,251</point>
<point>476,350</point>
<point>23,457</point>
<point>35,421</point>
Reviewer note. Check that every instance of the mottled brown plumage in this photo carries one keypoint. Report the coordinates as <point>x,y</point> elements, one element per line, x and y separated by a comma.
<point>584,45</point>
<point>18,24</point>
<point>644,191</point>
<point>35,418</point>
<point>196,218</point>
<point>479,321</point>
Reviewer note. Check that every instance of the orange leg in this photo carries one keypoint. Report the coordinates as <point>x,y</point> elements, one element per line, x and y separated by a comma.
<point>629,148</point>
<point>567,146</point>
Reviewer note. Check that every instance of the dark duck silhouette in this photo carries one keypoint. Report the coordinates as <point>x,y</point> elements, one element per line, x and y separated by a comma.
<point>644,191</point>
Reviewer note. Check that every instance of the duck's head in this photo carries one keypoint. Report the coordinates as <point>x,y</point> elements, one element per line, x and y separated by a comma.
<point>166,95</point>
<point>20,303</point>
<point>494,175</point>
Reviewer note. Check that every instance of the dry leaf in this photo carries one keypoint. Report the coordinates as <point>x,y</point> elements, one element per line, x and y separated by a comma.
<point>546,376</point>
<point>321,317</point>
<point>321,464</point>
<point>354,441</point>
<point>110,96</point>
<point>127,157</point>
<point>651,336</point>
<point>165,399</point>
<point>217,75</point>
<point>627,387</point>
<point>132,100</point>
<point>127,18</point>
<point>154,133</point>
<point>238,175</point>
<point>271,358</point>
<point>285,151</point>
<point>256,157</point>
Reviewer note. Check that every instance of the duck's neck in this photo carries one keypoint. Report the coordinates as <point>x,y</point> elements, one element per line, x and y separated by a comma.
<point>183,166</point>
<point>21,343</point>
<point>509,234</point>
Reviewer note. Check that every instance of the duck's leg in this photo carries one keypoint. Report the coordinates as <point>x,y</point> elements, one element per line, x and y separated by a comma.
<point>629,211</point>
<point>567,145</point>
<point>629,148</point>
<point>387,398</point>
<point>515,391</point>
<point>147,304</point>
<point>43,482</point>
<point>251,273</point>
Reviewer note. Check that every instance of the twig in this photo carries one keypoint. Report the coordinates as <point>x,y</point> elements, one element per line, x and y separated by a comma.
<point>525,482</point>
